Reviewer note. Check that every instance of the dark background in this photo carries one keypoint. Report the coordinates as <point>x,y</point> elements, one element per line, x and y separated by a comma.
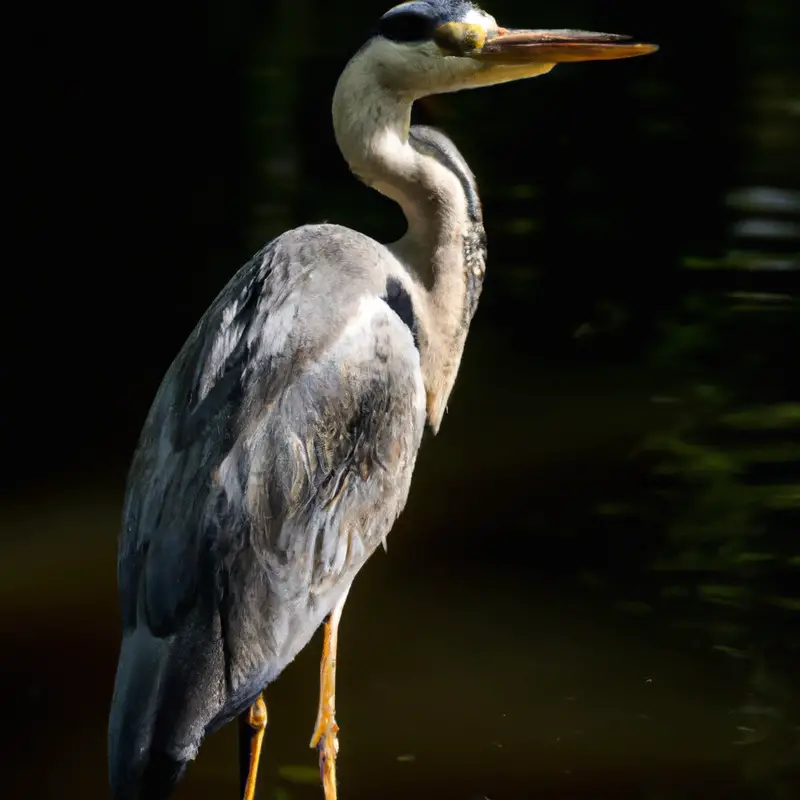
<point>594,590</point>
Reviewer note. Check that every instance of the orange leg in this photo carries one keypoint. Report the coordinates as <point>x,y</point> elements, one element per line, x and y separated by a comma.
<point>324,738</point>
<point>257,719</point>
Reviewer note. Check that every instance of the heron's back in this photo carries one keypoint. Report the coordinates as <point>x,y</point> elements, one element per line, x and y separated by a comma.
<point>275,458</point>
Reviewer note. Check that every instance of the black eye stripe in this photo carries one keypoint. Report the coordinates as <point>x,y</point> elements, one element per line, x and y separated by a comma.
<point>412,24</point>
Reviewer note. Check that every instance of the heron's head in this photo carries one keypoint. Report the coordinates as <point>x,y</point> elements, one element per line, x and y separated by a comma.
<point>434,46</point>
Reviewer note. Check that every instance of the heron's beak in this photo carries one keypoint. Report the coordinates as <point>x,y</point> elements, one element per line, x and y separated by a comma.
<point>521,49</point>
<point>552,47</point>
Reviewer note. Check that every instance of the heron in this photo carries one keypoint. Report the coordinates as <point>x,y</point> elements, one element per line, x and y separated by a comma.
<point>278,451</point>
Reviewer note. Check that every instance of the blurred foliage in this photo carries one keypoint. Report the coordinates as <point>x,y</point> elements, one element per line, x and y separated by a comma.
<point>299,773</point>
<point>724,507</point>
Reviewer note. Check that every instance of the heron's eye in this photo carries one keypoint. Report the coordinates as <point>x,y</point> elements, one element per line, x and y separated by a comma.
<point>413,22</point>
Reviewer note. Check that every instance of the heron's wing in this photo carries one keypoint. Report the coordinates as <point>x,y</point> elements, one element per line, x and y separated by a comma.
<point>258,421</point>
<point>191,423</point>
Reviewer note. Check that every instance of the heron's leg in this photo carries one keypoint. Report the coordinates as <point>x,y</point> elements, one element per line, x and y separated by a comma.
<point>324,738</point>
<point>251,734</point>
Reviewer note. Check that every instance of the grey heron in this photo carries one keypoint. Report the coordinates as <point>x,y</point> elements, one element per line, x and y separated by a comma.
<point>279,449</point>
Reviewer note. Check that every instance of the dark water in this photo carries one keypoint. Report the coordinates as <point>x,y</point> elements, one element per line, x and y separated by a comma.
<point>478,658</point>
<point>455,680</point>
<point>593,592</point>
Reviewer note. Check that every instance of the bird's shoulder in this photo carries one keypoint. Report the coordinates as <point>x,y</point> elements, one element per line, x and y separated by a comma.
<point>274,317</point>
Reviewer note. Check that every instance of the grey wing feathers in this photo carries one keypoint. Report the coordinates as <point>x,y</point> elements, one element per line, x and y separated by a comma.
<point>276,456</point>
<point>261,419</point>
<point>170,471</point>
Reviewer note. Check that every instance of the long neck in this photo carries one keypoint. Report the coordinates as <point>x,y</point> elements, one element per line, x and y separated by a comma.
<point>443,248</point>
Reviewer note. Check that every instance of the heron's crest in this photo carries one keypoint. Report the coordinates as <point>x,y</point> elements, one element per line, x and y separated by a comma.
<point>417,20</point>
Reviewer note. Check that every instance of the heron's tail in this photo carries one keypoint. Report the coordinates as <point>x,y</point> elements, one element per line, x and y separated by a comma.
<point>136,770</point>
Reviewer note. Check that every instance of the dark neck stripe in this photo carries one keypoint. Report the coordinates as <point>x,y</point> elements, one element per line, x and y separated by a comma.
<point>435,144</point>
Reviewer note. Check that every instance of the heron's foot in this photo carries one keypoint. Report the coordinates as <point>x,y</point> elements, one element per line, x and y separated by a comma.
<point>257,719</point>
<point>326,741</point>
